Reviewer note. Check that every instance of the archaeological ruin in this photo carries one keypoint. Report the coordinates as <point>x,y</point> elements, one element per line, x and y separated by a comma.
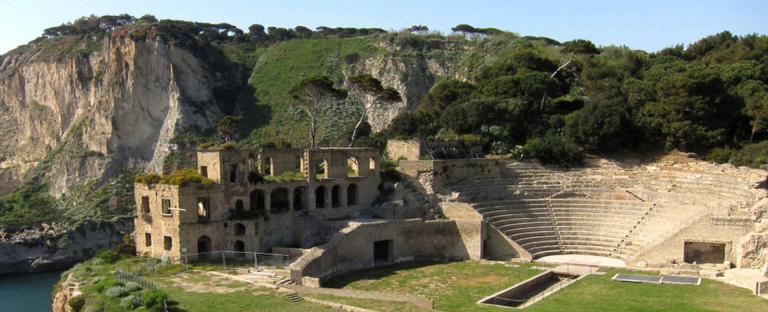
<point>673,214</point>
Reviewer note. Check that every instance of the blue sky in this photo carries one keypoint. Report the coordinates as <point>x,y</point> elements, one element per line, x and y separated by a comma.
<point>648,25</point>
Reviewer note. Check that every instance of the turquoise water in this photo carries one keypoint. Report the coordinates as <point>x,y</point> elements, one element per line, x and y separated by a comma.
<point>27,293</point>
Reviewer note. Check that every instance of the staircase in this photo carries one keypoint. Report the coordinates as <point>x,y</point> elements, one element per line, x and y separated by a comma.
<point>293,297</point>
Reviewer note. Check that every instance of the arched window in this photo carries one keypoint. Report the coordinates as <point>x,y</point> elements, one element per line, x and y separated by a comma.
<point>279,201</point>
<point>353,167</point>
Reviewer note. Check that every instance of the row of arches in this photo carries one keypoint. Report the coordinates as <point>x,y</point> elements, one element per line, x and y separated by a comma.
<point>281,200</point>
<point>204,245</point>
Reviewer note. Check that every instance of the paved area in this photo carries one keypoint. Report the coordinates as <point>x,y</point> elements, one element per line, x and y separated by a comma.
<point>584,260</point>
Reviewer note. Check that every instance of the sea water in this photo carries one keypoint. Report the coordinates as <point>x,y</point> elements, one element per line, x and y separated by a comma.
<point>28,292</point>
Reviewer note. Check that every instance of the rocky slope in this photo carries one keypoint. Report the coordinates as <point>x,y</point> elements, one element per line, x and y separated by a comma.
<point>55,248</point>
<point>116,107</point>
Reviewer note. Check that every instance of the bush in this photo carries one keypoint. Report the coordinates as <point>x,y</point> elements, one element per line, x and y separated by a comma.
<point>132,302</point>
<point>116,292</point>
<point>107,285</point>
<point>554,149</point>
<point>286,176</point>
<point>207,145</point>
<point>108,256</point>
<point>148,179</point>
<point>98,279</point>
<point>402,137</point>
<point>753,155</point>
<point>228,145</point>
<point>185,177</point>
<point>154,299</point>
<point>132,286</point>
<point>77,303</point>
<point>518,153</point>
<point>95,308</point>
<point>499,148</point>
<point>721,155</point>
<point>472,140</point>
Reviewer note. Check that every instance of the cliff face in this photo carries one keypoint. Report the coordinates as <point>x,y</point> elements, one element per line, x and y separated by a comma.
<point>116,107</point>
<point>54,248</point>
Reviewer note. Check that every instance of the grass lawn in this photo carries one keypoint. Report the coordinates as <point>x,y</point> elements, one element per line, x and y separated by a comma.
<point>200,292</point>
<point>449,283</point>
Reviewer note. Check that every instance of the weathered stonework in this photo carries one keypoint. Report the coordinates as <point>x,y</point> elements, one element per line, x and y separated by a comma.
<point>237,215</point>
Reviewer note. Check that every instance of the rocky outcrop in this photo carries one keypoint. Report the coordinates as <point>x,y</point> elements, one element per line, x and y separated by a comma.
<point>411,74</point>
<point>66,290</point>
<point>53,248</point>
<point>116,107</point>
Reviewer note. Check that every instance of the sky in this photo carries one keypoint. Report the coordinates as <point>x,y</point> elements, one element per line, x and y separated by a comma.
<point>648,25</point>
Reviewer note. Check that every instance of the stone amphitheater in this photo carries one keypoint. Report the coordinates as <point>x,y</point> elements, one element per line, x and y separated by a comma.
<point>674,212</point>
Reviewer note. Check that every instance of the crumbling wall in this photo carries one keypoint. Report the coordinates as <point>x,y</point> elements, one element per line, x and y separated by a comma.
<point>450,170</point>
<point>352,248</point>
<point>404,149</point>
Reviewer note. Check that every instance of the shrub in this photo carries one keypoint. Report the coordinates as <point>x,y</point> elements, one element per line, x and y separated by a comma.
<point>107,285</point>
<point>185,177</point>
<point>286,176</point>
<point>753,155</point>
<point>255,178</point>
<point>554,149</point>
<point>402,137</point>
<point>132,286</point>
<point>518,153</point>
<point>95,308</point>
<point>108,255</point>
<point>721,155</point>
<point>132,302</point>
<point>148,179</point>
<point>98,279</point>
<point>77,303</point>
<point>154,298</point>
<point>116,292</point>
<point>472,140</point>
<point>228,145</point>
<point>499,148</point>
<point>207,145</point>
<point>426,158</point>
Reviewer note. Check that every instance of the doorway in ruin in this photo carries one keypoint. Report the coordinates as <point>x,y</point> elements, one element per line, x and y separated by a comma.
<point>336,196</point>
<point>702,252</point>
<point>382,251</point>
<point>257,200</point>
<point>299,198</point>
<point>352,195</point>
<point>239,246</point>
<point>279,201</point>
<point>203,246</point>
<point>320,197</point>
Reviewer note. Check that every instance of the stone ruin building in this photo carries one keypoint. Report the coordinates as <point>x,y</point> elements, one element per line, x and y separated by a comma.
<point>236,214</point>
<point>673,214</point>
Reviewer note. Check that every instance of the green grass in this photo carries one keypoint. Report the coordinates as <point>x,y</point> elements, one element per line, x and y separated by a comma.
<point>449,283</point>
<point>279,69</point>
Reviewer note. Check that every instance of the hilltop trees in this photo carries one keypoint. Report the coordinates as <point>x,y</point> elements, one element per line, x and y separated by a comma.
<point>310,95</point>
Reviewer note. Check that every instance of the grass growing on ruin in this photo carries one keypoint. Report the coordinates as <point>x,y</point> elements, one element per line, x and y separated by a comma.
<point>449,283</point>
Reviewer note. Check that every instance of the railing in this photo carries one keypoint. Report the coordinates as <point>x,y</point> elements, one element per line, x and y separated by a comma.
<point>218,260</point>
<point>143,282</point>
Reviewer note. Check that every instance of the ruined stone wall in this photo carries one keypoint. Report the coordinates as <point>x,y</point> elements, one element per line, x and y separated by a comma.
<point>280,160</point>
<point>449,170</point>
<point>708,229</point>
<point>157,224</point>
<point>352,248</point>
<point>211,160</point>
<point>405,149</point>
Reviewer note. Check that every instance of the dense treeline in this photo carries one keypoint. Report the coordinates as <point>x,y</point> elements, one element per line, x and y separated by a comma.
<point>710,98</point>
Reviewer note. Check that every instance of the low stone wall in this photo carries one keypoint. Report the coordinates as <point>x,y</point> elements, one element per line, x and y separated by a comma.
<point>449,170</point>
<point>352,248</point>
<point>419,301</point>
